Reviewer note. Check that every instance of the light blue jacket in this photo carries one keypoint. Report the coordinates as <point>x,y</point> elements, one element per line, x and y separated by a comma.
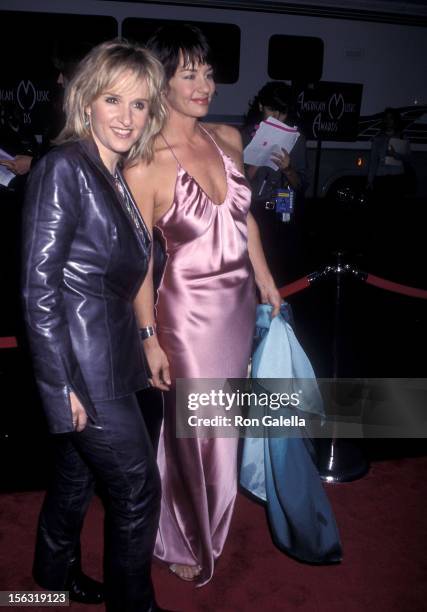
<point>282,471</point>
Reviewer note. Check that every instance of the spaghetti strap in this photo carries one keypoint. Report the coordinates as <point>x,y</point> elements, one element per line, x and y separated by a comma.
<point>171,150</point>
<point>212,138</point>
<point>221,152</point>
<point>222,156</point>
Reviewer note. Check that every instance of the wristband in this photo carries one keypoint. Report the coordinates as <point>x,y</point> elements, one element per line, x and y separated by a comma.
<point>146,332</point>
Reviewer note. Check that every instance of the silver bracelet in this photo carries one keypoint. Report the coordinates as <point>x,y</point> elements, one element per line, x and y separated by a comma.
<point>146,332</point>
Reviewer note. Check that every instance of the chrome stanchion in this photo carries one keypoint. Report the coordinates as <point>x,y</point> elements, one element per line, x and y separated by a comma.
<point>339,459</point>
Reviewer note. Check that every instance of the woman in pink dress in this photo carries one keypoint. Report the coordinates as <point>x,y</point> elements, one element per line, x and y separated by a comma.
<point>202,325</point>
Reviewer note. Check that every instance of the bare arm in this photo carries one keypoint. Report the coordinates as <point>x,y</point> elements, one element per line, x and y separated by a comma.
<point>143,192</point>
<point>230,141</point>
<point>156,357</point>
<point>264,280</point>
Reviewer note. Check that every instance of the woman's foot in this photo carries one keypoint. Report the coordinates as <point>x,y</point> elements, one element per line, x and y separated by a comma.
<point>185,572</point>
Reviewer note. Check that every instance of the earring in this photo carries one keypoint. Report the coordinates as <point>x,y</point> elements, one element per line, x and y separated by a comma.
<point>87,120</point>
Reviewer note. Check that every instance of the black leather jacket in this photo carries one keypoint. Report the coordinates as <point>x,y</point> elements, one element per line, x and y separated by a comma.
<point>84,259</point>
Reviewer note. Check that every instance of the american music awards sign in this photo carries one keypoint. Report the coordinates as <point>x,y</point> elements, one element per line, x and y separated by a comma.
<point>329,111</point>
<point>31,97</point>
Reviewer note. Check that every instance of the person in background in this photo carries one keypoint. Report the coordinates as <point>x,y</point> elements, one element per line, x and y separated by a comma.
<point>390,156</point>
<point>391,178</point>
<point>27,149</point>
<point>23,145</point>
<point>281,241</point>
<point>17,140</point>
<point>86,250</point>
<point>195,193</point>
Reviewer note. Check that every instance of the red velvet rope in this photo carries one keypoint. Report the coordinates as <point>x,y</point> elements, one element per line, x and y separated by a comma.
<point>383,283</point>
<point>8,342</point>
<point>295,287</point>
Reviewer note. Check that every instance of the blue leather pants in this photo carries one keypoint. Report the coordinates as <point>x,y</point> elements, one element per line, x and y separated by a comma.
<point>116,452</point>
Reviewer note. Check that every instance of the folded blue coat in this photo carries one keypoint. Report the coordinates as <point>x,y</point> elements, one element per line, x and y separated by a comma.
<point>282,470</point>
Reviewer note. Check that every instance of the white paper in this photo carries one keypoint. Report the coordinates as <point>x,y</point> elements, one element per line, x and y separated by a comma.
<point>271,137</point>
<point>400,146</point>
<point>5,175</point>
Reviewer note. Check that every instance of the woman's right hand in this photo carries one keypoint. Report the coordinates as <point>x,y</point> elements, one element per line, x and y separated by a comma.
<point>20,165</point>
<point>79,415</point>
<point>158,364</point>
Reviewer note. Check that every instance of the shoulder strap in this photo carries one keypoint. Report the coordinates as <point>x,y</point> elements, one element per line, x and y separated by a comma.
<point>212,138</point>
<point>170,149</point>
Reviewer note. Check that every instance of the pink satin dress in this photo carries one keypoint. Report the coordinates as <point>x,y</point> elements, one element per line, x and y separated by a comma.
<point>205,322</point>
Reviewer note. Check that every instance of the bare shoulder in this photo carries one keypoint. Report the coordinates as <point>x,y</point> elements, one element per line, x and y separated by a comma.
<point>136,171</point>
<point>228,138</point>
<point>148,172</point>
<point>225,134</point>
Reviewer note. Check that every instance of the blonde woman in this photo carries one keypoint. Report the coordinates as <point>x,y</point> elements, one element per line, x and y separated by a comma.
<point>86,251</point>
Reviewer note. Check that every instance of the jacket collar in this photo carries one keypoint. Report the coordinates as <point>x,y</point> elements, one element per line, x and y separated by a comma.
<point>90,150</point>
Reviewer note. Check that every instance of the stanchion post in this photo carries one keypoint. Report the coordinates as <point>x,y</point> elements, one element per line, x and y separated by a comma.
<point>339,459</point>
<point>337,314</point>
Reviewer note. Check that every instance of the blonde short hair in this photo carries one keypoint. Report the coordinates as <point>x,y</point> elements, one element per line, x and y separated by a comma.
<point>96,73</point>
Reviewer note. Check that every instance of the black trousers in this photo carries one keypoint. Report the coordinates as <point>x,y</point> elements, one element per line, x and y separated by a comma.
<point>116,452</point>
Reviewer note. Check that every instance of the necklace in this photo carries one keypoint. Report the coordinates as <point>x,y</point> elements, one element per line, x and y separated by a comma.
<point>126,201</point>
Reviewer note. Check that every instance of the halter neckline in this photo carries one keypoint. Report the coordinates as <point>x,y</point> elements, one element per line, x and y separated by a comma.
<point>224,164</point>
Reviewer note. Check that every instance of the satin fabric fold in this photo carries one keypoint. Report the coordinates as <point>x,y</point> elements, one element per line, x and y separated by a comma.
<point>205,319</point>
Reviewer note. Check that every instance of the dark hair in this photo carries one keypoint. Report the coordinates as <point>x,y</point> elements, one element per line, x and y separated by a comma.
<point>397,119</point>
<point>169,41</point>
<point>274,94</point>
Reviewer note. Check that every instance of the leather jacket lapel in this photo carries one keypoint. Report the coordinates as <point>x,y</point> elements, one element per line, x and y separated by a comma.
<point>132,210</point>
<point>132,214</point>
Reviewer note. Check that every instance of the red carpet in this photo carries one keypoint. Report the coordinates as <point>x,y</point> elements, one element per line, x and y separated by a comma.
<point>383,524</point>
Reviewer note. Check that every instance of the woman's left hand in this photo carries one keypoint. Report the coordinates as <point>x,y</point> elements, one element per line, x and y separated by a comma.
<point>282,160</point>
<point>270,295</point>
